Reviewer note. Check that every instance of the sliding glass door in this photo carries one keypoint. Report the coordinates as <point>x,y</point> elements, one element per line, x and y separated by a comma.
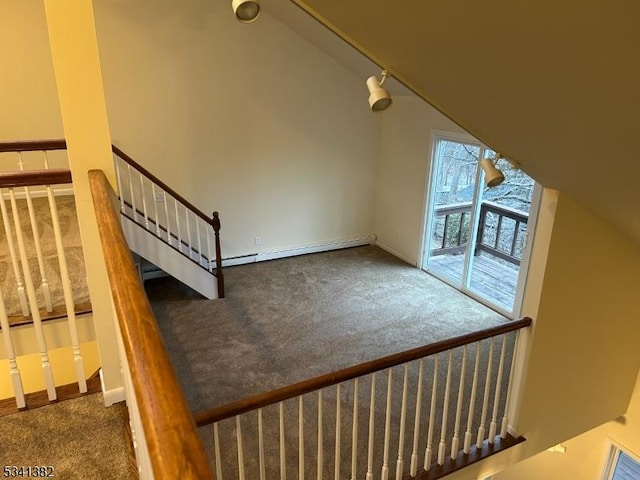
<point>476,236</point>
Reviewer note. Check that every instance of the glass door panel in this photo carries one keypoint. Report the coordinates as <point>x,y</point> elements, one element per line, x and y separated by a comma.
<point>501,236</point>
<point>451,211</point>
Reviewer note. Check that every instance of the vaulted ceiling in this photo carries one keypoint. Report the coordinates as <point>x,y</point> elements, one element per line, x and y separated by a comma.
<point>552,85</point>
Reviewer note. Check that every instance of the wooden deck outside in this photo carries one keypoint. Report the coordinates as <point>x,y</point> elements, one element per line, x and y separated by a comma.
<point>492,279</point>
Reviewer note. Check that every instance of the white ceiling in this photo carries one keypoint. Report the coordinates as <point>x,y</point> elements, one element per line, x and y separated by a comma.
<point>552,85</point>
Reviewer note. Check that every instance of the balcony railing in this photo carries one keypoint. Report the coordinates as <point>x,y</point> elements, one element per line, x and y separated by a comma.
<point>501,230</point>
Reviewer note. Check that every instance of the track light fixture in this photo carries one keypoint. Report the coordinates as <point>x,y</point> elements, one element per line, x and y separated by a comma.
<point>379,98</point>
<point>492,175</point>
<point>246,11</point>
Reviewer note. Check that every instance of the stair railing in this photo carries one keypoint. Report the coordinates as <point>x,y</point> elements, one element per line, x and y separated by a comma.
<point>166,441</point>
<point>157,208</point>
<point>429,411</point>
<point>30,299</point>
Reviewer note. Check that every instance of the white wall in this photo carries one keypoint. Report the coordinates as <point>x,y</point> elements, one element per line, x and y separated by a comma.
<point>405,158</point>
<point>249,120</point>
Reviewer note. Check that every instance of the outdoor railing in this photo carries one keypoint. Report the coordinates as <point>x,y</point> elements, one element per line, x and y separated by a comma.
<point>448,410</point>
<point>501,230</point>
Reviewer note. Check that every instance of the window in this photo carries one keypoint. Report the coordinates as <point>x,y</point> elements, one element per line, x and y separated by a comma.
<point>621,465</point>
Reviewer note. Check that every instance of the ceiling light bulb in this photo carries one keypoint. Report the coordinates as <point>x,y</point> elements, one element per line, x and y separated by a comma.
<point>246,11</point>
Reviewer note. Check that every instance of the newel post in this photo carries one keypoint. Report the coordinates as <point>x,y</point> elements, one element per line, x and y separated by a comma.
<point>219,275</point>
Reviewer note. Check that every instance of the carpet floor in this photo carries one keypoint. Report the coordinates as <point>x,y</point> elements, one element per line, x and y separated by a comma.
<point>79,439</point>
<point>288,320</point>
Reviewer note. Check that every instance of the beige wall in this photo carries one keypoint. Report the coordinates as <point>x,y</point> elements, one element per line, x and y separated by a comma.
<point>29,101</point>
<point>585,453</point>
<point>250,120</point>
<point>405,158</point>
<point>584,356</point>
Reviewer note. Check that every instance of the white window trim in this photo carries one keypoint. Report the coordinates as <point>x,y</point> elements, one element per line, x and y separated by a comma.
<point>610,457</point>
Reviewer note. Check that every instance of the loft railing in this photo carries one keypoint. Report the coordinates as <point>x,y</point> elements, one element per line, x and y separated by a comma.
<point>501,230</point>
<point>166,441</point>
<point>448,410</point>
<point>36,250</point>
<point>157,208</point>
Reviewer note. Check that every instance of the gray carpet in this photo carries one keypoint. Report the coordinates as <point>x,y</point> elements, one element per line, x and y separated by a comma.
<point>73,252</point>
<point>288,320</point>
<point>80,438</point>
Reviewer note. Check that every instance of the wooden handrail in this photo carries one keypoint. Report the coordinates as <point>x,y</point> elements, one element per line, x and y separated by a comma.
<point>29,178</point>
<point>174,446</point>
<point>349,373</point>
<point>33,145</point>
<point>161,184</point>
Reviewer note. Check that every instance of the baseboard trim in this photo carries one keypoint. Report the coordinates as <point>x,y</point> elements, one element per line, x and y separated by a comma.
<point>113,396</point>
<point>395,253</point>
<point>295,251</point>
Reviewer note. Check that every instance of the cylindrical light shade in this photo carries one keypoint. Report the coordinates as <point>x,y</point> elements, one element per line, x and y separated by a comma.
<point>379,98</point>
<point>492,176</point>
<point>246,11</point>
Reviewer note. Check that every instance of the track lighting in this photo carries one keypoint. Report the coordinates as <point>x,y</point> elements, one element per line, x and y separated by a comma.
<point>246,11</point>
<point>492,175</point>
<point>379,98</point>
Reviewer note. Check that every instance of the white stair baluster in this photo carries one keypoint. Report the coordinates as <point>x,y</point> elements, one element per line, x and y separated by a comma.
<point>456,441</point>
<point>505,419</point>
<point>132,194</point>
<point>472,403</point>
<point>178,230</point>
<point>22,294</point>
<point>155,209</point>
<point>403,418</point>
<point>118,162</point>
<point>44,284</point>
<point>372,415</point>
<point>283,457</point>
<point>496,399</point>
<point>300,438</point>
<point>166,217</point>
<point>320,463</point>
<point>413,469</point>
<point>14,372</point>
<point>200,254</point>
<point>145,212</point>
<point>188,227</point>
<point>428,452</point>
<point>240,449</point>
<point>485,400</point>
<point>31,296</point>
<point>261,446</point>
<point>387,428</point>
<point>216,447</point>
<point>445,413</point>
<point>354,432</point>
<point>338,432</point>
<point>68,293</point>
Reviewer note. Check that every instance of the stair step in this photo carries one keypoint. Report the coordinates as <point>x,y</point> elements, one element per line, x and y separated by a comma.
<point>56,314</point>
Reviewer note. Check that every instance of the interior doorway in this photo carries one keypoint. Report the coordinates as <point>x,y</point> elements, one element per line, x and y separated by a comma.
<point>476,237</point>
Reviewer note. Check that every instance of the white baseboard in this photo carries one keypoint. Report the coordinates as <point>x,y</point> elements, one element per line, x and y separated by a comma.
<point>113,396</point>
<point>294,251</point>
<point>396,253</point>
